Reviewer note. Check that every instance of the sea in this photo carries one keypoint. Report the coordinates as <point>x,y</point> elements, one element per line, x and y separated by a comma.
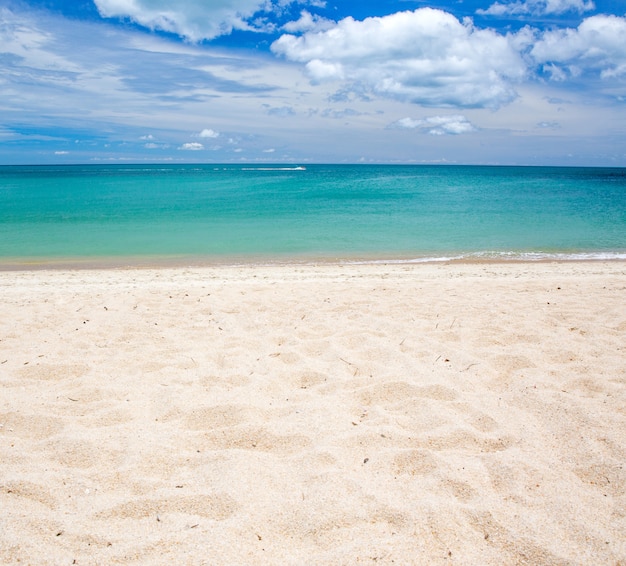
<point>195,214</point>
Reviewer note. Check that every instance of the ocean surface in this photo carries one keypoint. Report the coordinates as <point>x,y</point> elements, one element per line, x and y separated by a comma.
<point>204,213</point>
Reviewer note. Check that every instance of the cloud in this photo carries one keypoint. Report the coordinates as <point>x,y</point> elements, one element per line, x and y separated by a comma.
<point>127,92</point>
<point>308,22</point>
<point>209,133</point>
<point>437,125</point>
<point>552,125</point>
<point>152,145</point>
<point>537,7</point>
<point>426,56</point>
<point>27,50</point>
<point>340,114</point>
<point>280,111</point>
<point>193,19</point>
<point>597,45</point>
<point>125,83</point>
<point>192,146</point>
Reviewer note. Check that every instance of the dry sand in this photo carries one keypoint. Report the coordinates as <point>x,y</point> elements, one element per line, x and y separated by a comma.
<point>407,414</point>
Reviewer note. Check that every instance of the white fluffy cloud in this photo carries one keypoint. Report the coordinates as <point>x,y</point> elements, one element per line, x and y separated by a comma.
<point>209,133</point>
<point>426,56</point>
<point>191,146</point>
<point>598,44</point>
<point>538,7</point>
<point>437,125</point>
<point>193,19</point>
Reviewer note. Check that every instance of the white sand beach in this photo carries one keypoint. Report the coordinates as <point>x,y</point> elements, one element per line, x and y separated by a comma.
<point>314,414</point>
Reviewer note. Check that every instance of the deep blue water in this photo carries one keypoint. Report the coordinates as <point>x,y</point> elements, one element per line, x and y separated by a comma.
<point>326,211</point>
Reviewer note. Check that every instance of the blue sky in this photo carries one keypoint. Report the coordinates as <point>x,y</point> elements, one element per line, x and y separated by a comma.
<point>530,82</point>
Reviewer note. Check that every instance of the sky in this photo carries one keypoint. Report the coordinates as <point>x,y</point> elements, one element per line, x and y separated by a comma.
<point>502,82</point>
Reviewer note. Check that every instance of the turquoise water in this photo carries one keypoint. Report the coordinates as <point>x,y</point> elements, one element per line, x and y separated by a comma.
<point>370,212</point>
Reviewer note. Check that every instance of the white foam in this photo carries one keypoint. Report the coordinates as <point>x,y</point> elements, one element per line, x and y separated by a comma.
<point>503,256</point>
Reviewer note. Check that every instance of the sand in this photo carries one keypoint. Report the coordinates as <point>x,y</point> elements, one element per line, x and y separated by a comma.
<point>314,414</point>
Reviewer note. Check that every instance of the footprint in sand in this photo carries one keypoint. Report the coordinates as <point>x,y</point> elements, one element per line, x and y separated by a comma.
<point>219,416</point>
<point>31,491</point>
<point>54,372</point>
<point>414,462</point>
<point>217,507</point>
<point>76,453</point>
<point>35,427</point>
<point>253,438</point>
<point>462,439</point>
<point>386,394</point>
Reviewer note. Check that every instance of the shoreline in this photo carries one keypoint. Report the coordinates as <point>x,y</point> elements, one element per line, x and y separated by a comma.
<point>167,262</point>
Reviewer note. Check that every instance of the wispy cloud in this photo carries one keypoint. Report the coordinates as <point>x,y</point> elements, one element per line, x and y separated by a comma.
<point>437,125</point>
<point>340,114</point>
<point>280,111</point>
<point>537,7</point>
<point>549,125</point>
<point>119,82</point>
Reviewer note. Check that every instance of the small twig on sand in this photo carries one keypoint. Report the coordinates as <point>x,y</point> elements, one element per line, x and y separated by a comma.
<point>356,369</point>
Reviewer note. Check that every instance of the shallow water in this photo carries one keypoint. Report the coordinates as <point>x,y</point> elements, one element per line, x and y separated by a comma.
<point>324,211</point>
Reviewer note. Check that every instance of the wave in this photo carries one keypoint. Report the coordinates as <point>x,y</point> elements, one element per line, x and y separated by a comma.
<point>299,168</point>
<point>505,256</point>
